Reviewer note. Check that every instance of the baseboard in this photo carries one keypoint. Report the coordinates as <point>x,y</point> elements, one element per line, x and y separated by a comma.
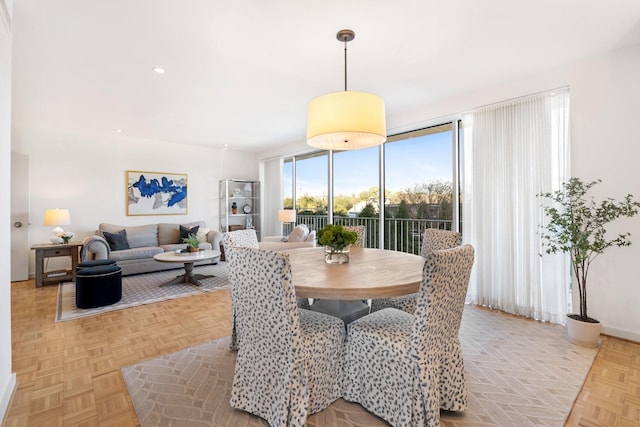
<point>5,398</point>
<point>622,333</point>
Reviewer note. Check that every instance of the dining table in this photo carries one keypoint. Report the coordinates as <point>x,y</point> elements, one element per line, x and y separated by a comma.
<point>342,289</point>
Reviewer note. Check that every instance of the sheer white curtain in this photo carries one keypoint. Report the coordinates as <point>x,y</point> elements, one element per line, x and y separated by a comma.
<point>513,151</point>
<point>272,196</point>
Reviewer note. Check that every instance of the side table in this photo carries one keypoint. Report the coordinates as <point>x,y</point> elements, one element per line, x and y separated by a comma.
<point>48,250</point>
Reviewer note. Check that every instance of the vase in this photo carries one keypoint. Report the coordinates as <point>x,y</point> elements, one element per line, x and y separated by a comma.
<point>584,334</point>
<point>336,256</point>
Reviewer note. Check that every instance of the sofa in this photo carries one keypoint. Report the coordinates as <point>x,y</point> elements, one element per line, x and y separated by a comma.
<point>300,237</point>
<point>133,249</point>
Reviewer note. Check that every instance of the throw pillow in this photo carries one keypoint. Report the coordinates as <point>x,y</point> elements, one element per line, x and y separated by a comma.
<point>311,237</point>
<point>202,234</point>
<point>185,231</point>
<point>298,234</point>
<point>117,241</point>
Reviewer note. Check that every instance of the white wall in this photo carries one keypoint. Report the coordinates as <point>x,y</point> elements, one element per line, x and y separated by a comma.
<point>86,174</point>
<point>7,378</point>
<point>605,110</point>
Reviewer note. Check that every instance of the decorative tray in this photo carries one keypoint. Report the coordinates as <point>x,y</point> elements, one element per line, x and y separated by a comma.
<point>184,252</point>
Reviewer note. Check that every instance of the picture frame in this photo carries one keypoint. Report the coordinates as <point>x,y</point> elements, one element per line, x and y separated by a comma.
<point>156,193</point>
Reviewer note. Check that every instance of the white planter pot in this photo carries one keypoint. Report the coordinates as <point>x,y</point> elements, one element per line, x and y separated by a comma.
<point>584,334</point>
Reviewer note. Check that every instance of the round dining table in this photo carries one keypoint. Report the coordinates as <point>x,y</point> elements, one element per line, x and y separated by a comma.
<point>369,274</point>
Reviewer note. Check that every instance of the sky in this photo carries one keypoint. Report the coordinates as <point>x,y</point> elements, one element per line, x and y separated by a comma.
<point>408,162</point>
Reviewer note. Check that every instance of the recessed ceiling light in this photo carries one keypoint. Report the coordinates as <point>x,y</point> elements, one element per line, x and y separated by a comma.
<point>117,130</point>
<point>158,70</point>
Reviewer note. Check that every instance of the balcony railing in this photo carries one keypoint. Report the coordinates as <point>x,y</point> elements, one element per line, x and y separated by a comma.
<point>403,235</point>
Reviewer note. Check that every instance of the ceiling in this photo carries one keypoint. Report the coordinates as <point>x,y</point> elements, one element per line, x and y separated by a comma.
<point>243,72</point>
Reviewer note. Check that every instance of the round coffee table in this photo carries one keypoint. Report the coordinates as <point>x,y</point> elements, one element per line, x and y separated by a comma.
<point>188,259</point>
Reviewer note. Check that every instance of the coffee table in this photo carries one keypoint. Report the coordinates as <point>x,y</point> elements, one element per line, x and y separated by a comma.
<point>188,259</point>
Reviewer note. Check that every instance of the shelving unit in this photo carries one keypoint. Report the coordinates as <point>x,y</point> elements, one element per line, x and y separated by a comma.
<point>246,196</point>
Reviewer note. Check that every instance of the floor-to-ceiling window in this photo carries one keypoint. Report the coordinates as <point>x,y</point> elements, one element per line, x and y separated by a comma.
<point>420,186</point>
<point>419,171</point>
<point>356,190</point>
<point>306,187</point>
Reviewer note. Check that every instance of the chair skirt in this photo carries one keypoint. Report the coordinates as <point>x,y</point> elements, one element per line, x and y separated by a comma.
<point>406,303</point>
<point>297,388</point>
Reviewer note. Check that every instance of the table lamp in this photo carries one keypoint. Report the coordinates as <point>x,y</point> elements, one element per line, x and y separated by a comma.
<point>57,217</point>
<point>287,216</point>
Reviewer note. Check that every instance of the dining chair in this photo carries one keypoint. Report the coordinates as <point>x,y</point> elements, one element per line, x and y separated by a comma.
<point>246,239</point>
<point>405,368</point>
<point>240,238</point>
<point>361,231</point>
<point>433,239</point>
<point>249,239</point>
<point>289,364</point>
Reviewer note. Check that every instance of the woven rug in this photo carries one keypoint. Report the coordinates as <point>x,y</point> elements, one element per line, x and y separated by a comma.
<point>519,373</point>
<point>143,289</point>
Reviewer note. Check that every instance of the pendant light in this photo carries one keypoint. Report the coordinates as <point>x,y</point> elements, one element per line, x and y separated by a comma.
<point>346,120</point>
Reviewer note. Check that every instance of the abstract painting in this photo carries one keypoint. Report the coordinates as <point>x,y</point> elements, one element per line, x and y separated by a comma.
<point>156,193</point>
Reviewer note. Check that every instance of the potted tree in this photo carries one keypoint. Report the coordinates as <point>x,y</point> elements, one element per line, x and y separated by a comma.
<point>576,225</point>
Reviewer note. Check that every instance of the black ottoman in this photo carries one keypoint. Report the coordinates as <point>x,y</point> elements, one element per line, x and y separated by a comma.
<point>98,286</point>
<point>94,263</point>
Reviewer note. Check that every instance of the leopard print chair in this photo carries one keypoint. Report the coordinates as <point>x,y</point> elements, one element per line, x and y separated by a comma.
<point>289,364</point>
<point>240,238</point>
<point>404,368</point>
<point>432,240</point>
<point>247,239</point>
<point>360,231</point>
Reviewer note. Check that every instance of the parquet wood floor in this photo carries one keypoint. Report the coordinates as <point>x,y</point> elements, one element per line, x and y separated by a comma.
<point>68,373</point>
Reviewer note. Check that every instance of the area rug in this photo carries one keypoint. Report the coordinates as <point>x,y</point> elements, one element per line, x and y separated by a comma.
<point>143,289</point>
<point>519,373</point>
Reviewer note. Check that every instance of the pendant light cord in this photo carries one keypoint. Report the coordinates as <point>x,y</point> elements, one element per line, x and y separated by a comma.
<point>345,65</point>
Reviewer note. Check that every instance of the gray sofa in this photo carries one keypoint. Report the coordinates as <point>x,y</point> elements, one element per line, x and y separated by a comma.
<point>144,242</point>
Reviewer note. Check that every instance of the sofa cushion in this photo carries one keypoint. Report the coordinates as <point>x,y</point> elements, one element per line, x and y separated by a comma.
<point>138,236</point>
<point>169,234</point>
<point>298,234</point>
<point>117,241</point>
<point>135,253</point>
<point>142,235</point>
<point>202,234</point>
<point>311,237</point>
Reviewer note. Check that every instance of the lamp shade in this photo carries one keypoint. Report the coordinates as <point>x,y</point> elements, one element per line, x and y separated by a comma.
<point>287,215</point>
<point>57,217</point>
<point>346,120</point>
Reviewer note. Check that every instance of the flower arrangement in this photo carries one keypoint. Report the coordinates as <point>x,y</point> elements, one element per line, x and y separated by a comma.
<point>66,236</point>
<point>336,237</point>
